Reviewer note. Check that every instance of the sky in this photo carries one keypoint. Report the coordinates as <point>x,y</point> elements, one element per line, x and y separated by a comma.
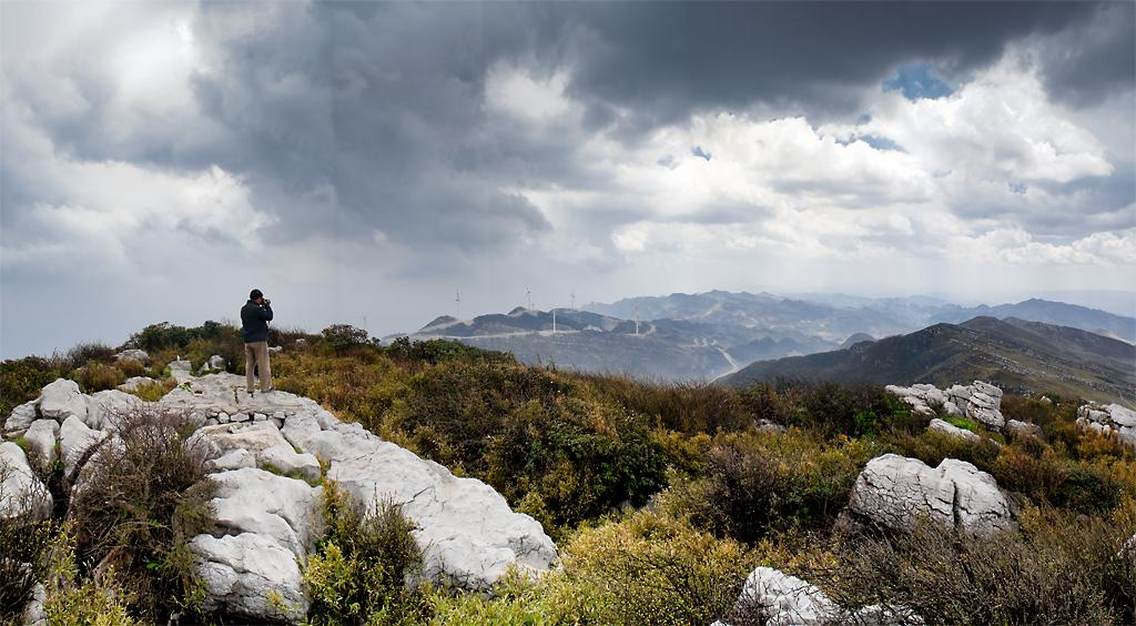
<point>363,162</point>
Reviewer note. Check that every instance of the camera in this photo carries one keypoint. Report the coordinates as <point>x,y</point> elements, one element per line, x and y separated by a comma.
<point>267,302</point>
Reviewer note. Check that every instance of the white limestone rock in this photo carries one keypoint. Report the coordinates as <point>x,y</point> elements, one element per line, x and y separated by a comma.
<point>133,354</point>
<point>283,458</point>
<point>254,437</point>
<point>22,417</point>
<point>1109,419</point>
<point>61,399</point>
<point>34,612</point>
<point>467,530</point>
<point>979,401</point>
<point>269,523</point>
<point>786,600</point>
<point>41,437</point>
<point>216,362</point>
<point>105,409</point>
<point>952,430</point>
<point>75,438</point>
<point>231,460</point>
<point>181,371</point>
<point>895,492</point>
<point>286,510</point>
<point>243,575</point>
<point>21,491</point>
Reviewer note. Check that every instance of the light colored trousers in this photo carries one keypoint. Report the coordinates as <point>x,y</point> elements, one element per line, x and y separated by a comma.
<point>256,357</point>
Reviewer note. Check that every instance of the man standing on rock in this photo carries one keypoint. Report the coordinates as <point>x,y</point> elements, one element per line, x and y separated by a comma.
<point>255,315</point>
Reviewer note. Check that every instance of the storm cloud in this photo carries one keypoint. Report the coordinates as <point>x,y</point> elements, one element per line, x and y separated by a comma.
<point>386,152</point>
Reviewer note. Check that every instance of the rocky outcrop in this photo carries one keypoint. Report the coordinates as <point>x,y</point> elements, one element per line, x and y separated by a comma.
<point>895,492</point>
<point>267,521</point>
<point>979,401</point>
<point>469,534</point>
<point>1111,419</point>
<point>21,492</point>
<point>952,430</point>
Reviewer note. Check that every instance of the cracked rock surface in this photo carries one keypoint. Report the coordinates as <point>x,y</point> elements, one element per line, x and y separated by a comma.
<point>896,491</point>
<point>979,401</point>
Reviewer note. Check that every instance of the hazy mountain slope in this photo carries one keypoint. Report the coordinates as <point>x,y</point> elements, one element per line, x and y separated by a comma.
<point>1059,313</point>
<point>1020,356</point>
<point>765,311</point>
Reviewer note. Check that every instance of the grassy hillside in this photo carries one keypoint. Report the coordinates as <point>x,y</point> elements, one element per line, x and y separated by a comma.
<point>663,497</point>
<point>1024,357</point>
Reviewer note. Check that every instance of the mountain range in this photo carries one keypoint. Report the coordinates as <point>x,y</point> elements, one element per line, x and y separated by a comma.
<point>715,333</point>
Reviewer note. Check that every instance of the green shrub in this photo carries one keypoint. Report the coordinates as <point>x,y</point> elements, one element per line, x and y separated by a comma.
<point>340,337</point>
<point>95,376</point>
<point>75,601</point>
<point>755,483</point>
<point>362,566</point>
<point>22,379</point>
<point>139,505</point>
<point>653,569</point>
<point>963,423</point>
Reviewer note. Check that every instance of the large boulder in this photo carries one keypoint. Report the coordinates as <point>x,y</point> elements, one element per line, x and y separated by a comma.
<point>251,576</point>
<point>134,382</point>
<point>922,398</point>
<point>75,438</point>
<point>896,492</point>
<point>1018,428</point>
<point>267,524</point>
<point>22,416</point>
<point>106,408</point>
<point>62,399</point>
<point>786,600</point>
<point>21,491</point>
<point>468,533</point>
<point>252,436</point>
<point>1109,419</point>
<point>41,437</point>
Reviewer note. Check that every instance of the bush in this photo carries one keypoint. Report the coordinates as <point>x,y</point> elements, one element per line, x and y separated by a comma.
<point>755,483</point>
<point>24,542</point>
<point>139,504</point>
<point>361,569</point>
<point>340,337</point>
<point>95,376</point>
<point>654,569</point>
<point>73,601</point>
<point>22,379</point>
<point>1059,570</point>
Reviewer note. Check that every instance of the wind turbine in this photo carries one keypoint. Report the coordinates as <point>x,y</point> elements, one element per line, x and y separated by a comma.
<point>458,300</point>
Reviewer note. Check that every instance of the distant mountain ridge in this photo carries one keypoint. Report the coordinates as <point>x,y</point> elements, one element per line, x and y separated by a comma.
<point>1050,312</point>
<point>1018,355</point>
<point>711,334</point>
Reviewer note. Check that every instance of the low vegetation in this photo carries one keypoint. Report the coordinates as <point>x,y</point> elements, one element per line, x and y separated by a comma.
<point>661,497</point>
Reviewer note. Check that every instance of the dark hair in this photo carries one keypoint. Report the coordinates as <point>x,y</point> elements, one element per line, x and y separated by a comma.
<point>254,294</point>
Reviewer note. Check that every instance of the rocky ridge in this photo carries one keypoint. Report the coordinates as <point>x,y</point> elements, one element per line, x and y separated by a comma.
<point>265,452</point>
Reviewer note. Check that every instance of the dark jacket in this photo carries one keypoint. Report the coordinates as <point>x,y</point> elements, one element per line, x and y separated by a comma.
<point>254,322</point>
